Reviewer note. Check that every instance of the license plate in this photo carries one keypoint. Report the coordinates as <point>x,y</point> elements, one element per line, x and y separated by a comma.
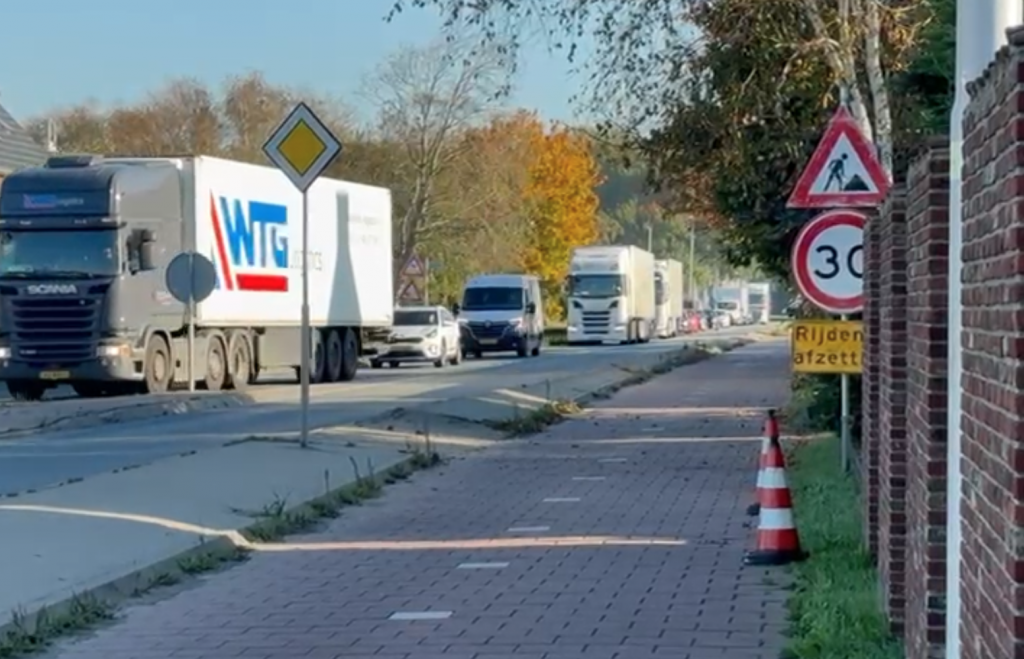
<point>55,375</point>
<point>488,342</point>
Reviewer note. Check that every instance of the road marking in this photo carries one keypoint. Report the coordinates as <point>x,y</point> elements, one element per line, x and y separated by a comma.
<point>561,500</point>
<point>495,565</point>
<point>613,460</point>
<point>529,529</point>
<point>420,615</point>
<point>588,478</point>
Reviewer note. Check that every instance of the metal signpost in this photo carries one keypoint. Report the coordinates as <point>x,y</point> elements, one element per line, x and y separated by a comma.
<point>190,279</point>
<point>302,147</point>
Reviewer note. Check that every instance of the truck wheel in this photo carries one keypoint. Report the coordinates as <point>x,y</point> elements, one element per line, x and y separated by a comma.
<point>158,371</point>
<point>26,390</point>
<point>335,356</point>
<point>216,364</point>
<point>239,362</point>
<point>349,355</point>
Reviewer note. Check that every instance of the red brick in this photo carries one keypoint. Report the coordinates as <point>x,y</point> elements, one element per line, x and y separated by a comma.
<point>927,306</point>
<point>870,381</point>
<point>992,569</point>
<point>892,407</point>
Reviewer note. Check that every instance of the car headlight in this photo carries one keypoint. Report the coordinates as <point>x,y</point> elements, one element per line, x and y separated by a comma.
<point>432,334</point>
<point>5,352</point>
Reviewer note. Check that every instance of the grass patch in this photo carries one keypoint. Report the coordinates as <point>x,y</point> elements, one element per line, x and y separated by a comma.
<point>556,336</point>
<point>29,634</point>
<point>536,420</point>
<point>835,606</point>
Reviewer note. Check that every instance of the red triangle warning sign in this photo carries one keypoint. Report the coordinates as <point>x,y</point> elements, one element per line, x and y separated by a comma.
<point>844,171</point>
<point>410,293</point>
<point>414,267</point>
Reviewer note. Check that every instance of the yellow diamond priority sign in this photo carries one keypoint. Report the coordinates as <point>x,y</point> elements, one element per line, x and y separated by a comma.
<point>302,147</point>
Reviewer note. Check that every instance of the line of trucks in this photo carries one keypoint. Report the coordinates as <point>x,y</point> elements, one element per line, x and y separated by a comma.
<point>85,242</point>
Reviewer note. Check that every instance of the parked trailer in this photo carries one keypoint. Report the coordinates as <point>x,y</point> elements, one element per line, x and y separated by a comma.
<point>611,295</point>
<point>759,298</point>
<point>86,241</point>
<point>668,294</point>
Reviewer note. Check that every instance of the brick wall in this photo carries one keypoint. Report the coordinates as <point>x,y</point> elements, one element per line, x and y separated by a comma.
<point>869,382</point>
<point>892,405</point>
<point>992,455</point>
<point>927,277</point>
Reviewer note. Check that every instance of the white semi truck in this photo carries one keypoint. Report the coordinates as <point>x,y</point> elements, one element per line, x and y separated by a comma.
<point>610,295</point>
<point>668,294</point>
<point>759,295</point>
<point>85,243</point>
<point>731,299</point>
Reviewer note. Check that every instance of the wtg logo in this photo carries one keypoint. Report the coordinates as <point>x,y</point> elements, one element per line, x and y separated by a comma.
<point>250,235</point>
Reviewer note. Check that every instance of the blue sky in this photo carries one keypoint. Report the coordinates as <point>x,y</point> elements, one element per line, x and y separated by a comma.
<point>114,51</point>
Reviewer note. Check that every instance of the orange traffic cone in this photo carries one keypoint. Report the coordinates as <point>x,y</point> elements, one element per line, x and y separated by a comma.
<point>771,429</point>
<point>778,542</point>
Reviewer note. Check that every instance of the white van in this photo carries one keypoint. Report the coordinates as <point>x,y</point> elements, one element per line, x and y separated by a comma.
<point>501,313</point>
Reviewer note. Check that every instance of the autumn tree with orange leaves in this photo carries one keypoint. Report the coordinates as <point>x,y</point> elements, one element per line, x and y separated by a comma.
<point>563,207</point>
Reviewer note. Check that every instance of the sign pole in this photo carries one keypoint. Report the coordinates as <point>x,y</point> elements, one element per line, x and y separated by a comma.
<point>191,328</point>
<point>844,413</point>
<point>307,351</point>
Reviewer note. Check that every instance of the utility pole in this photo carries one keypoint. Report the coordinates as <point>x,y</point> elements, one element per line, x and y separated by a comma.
<point>692,279</point>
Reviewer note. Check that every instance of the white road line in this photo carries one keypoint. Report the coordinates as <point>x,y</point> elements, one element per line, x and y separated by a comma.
<point>561,500</point>
<point>420,615</point>
<point>496,565</point>
<point>589,478</point>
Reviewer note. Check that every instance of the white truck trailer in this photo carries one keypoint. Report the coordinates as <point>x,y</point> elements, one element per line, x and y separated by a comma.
<point>668,294</point>
<point>610,295</point>
<point>731,298</point>
<point>759,295</point>
<point>86,243</point>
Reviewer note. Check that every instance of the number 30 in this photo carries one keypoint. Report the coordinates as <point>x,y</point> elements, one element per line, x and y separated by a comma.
<point>832,260</point>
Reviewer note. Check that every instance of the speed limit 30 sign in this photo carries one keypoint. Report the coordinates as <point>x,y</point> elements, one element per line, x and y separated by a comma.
<point>828,261</point>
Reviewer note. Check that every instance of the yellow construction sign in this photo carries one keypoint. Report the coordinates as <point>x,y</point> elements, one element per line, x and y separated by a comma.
<point>827,346</point>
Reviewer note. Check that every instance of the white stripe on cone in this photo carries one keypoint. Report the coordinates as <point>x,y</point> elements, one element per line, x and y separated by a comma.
<point>772,478</point>
<point>776,519</point>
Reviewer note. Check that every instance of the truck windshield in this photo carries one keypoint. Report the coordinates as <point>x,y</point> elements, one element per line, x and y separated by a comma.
<point>59,253</point>
<point>492,298</point>
<point>596,285</point>
<point>728,306</point>
<point>415,318</point>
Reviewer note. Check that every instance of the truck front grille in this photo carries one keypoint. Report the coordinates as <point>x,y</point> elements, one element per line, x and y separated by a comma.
<point>596,322</point>
<point>488,330</point>
<point>50,330</point>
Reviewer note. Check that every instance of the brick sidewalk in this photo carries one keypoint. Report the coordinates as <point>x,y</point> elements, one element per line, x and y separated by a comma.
<point>671,460</point>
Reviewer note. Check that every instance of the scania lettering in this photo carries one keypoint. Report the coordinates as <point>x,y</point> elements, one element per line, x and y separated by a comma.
<point>668,294</point>
<point>84,246</point>
<point>51,289</point>
<point>610,295</point>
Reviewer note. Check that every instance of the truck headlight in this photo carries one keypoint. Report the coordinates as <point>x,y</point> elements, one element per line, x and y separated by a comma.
<point>5,352</point>
<point>116,350</point>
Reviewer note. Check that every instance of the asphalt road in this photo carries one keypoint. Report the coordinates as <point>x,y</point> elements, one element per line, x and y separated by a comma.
<point>51,457</point>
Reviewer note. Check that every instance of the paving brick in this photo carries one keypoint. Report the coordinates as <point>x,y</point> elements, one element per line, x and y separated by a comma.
<point>690,441</point>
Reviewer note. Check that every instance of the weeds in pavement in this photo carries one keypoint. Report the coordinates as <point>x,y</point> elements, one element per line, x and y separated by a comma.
<point>27,635</point>
<point>271,523</point>
<point>538,419</point>
<point>834,608</point>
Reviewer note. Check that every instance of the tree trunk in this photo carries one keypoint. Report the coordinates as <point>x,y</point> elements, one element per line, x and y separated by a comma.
<point>877,85</point>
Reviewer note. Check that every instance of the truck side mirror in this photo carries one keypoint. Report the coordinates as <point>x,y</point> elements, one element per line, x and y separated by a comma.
<point>456,309</point>
<point>531,307</point>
